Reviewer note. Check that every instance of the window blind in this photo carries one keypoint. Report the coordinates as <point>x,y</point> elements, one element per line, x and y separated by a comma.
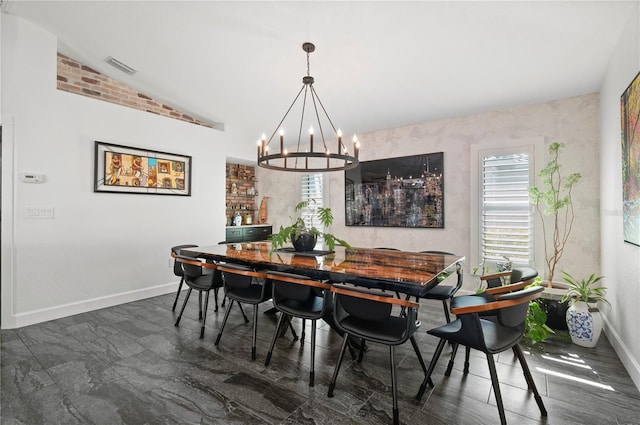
<point>506,227</point>
<point>311,190</point>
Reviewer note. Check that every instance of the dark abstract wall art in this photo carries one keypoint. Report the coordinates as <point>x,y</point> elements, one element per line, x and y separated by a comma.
<point>396,192</point>
<point>630,122</point>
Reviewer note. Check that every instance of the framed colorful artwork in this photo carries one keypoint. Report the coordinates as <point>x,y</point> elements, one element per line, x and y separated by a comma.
<point>630,122</point>
<point>396,192</point>
<point>125,169</point>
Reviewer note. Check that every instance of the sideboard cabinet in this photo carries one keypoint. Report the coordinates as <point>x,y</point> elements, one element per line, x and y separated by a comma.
<point>247,233</point>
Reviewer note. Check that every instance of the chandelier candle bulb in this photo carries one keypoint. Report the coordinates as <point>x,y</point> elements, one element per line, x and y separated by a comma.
<point>259,145</point>
<point>311,139</point>
<point>282,141</point>
<point>355,145</point>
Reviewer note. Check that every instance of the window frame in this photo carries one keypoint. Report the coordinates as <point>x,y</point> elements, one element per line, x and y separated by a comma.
<point>535,147</point>
<point>305,178</point>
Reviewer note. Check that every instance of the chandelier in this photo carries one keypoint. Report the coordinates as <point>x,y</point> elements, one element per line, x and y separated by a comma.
<point>305,157</point>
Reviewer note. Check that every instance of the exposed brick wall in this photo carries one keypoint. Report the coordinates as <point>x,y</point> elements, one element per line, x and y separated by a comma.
<point>77,78</point>
<point>243,201</point>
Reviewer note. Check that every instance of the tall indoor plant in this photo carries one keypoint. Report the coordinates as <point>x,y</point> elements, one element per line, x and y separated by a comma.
<point>554,204</point>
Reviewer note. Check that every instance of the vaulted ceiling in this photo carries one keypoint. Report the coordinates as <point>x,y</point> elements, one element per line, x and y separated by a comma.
<point>376,65</point>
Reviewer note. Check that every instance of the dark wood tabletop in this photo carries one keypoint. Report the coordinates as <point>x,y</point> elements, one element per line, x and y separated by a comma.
<point>411,273</point>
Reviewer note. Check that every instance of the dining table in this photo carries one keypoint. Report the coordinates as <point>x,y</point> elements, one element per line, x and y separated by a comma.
<point>409,273</point>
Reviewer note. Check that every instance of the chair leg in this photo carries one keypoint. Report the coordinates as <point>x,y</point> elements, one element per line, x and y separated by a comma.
<point>304,322</point>
<point>420,359</point>
<point>184,304</point>
<point>200,305</point>
<point>273,340</point>
<point>530,382</point>
<point>175,302</point>
<point>467,353</point>
<point>454,351</point>
<point>255,331</point>
<point>332,384</point>
<point>361,353</point>
<point>446,311</point>
<point>394,385</point>
<point>313,353</point>
<point>204,315</point>
<point>241,311</point>
<point>496,388</point>
<point>432,365</point>
<point>215,296</point>
<point>224,321</point>
<point>293,331</point>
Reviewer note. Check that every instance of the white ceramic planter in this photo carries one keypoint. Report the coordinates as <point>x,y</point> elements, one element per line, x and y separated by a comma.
<point>584,326</point>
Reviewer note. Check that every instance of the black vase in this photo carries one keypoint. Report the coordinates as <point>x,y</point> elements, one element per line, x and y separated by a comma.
<point>304,241</point>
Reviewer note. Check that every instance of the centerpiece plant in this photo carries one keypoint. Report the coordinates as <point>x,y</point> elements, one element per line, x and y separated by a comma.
<point>303,236</point>
<point>554,204</point>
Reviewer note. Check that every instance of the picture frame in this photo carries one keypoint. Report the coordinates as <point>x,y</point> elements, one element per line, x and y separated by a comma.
<point>396,192</point>
<point>630,126</point>
<point>127,169</point>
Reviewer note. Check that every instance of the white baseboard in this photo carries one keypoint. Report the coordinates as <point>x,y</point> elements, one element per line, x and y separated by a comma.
<point>626,357</point>
<point>65,310</point>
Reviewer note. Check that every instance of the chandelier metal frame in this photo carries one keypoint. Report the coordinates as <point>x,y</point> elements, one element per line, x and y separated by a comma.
<point>299,160</point>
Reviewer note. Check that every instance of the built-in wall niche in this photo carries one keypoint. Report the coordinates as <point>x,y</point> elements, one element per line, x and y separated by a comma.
<point>241,193</point>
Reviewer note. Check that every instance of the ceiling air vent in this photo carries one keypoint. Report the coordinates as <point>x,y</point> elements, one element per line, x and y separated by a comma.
<point>121,66</point>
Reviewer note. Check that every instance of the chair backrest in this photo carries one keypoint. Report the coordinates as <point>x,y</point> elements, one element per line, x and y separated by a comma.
<point>237,276</point>
<point>289,286</point>
<point>175,250</point>
<point>515,275</point>
<point>373,307</point>
<point>523,274</point>
<point>515,315</point>
<point>191,266</point>
<point>362,308</point>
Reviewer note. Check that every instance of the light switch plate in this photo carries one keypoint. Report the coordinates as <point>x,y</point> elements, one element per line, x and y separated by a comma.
<point>39,212</point>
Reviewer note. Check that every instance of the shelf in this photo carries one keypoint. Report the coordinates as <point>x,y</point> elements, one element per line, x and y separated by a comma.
<point>241,195</point>
<point>239,209</point>
<point>233,179</point>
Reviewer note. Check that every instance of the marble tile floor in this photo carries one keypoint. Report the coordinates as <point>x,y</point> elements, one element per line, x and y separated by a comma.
<point>128,364</point>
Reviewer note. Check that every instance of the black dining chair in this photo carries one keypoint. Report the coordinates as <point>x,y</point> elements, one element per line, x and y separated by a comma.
<point>243,284</point>
<point>367,314</point>
<point>442,292</point>
<point>491,337</point>
<point>497,283</point>
<point>298,296</point>
<point>177,270</point>
<point>195,278</point>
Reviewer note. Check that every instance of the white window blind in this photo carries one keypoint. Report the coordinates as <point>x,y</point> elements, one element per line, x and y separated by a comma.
<point>506,222</point>
<point>311,189</point>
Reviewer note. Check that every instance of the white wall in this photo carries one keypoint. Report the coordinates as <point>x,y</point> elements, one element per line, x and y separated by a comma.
<point>620,261</point>
<point>100,249</point>
<point>573,121</point>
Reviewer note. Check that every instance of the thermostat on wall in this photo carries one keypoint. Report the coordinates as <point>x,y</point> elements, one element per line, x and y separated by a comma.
<point>34,178</point>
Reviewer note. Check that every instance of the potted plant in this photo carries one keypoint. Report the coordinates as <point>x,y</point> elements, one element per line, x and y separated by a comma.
<point>583,316</point>
<point>304,237</point>
<point>536,328</point>
<point>554,204</point>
